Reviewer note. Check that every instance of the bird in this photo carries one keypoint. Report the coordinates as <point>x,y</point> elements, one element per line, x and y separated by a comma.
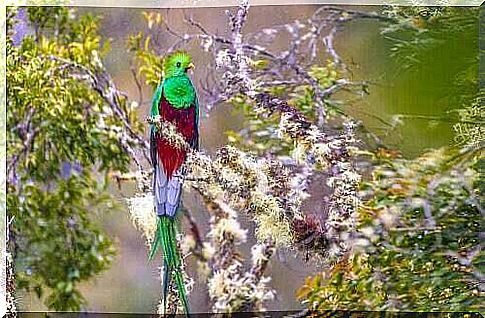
<point>175,101</point>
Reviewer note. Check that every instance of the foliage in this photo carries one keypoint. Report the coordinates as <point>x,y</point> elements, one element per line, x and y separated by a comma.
<point>63,139</point>
<point>469,130</point>
<point>418,242</point>
<point>150,64</point>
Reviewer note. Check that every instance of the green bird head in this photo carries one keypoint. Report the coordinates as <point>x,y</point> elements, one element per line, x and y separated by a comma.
<point>177,64</point>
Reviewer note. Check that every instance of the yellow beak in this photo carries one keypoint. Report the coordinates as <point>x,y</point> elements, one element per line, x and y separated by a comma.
<point>191,66</point>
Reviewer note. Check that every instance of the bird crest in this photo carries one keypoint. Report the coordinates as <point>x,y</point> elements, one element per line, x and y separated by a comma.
<point>177,64</point>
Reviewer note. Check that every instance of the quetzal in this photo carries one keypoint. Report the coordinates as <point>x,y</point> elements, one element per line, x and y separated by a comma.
<point>175,101</point>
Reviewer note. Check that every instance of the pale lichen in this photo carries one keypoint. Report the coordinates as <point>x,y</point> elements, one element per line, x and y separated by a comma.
<point>142,214</point>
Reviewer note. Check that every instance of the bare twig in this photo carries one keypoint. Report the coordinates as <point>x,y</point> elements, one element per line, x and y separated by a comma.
<point>138,84</point>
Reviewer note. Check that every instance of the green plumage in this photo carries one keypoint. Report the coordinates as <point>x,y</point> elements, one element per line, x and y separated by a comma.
<point>179,91</point>
<point>156,100</point>
<point>166,236</point>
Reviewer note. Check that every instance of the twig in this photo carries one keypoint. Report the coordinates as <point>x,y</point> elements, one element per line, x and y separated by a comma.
<point>138,84</point>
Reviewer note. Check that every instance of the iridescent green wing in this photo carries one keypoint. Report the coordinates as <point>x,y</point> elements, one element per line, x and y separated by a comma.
<point>156,100</point>
<point>154,112</point>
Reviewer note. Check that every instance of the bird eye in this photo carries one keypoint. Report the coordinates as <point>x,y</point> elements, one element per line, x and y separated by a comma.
<point>178,64</point>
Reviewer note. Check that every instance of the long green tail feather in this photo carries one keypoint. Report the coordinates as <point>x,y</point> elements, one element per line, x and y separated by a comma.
<point>167,266</point>
<point>156,242</point>
<point>178,273</point>
<point>166,235</point>
<point>166,284</point>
